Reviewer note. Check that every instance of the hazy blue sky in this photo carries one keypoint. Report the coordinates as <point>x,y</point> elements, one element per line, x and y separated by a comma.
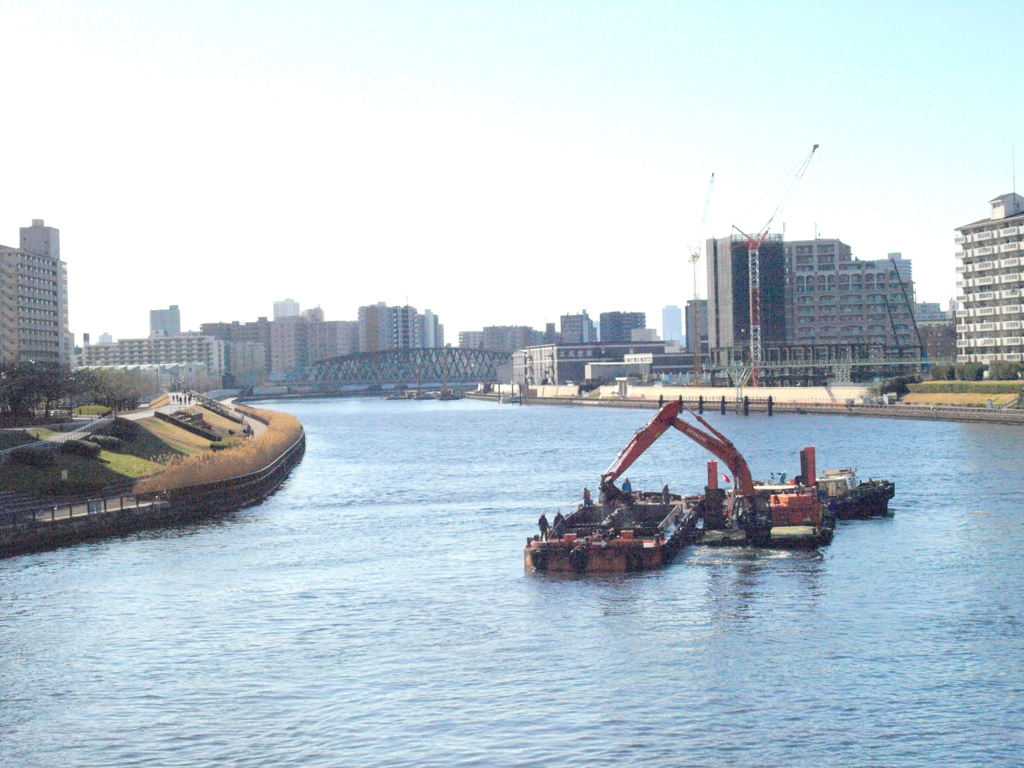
<point>495,162</point>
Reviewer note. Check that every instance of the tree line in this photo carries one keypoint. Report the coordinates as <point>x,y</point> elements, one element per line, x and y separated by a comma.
<point>26,388</point>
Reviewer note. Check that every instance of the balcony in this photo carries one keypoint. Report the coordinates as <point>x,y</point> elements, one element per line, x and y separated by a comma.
<point>982,311</point>
<point>960,239</point>
<point>984,251</point>
<point>1009,247</point>
<point>980,236</point>
<point>1008,232</point>
<point>1013,262</point>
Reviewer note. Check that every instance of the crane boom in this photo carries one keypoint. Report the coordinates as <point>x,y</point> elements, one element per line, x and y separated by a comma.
<point>709,438</point>
<point>754,243</point>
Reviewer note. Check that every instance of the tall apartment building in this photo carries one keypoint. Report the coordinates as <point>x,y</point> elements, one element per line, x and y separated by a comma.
<point>471,339</point>
<point>160,350</point>
<point>833,298</point>
<point>509,338</point>
<point>577,329</point>
<point>165,322</point>
<point>728,302</point>
<point>256,332</point>
<point>618,326</point>
<point>34,299</point>
<point>696,325</point>
<point>990,272</point>
<point>672,323</point>
<point>286,308</point>
<point>297,342</point>
<point>382,327</point>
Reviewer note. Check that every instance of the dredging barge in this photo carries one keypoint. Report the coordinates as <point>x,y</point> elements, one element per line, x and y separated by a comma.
<point>628,531</point>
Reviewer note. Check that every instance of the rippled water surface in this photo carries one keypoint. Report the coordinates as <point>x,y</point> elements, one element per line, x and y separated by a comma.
<point>375,611</point>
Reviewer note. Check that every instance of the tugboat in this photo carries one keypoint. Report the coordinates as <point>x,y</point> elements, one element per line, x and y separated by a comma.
<point>849,500</point>
<point>629,531</point>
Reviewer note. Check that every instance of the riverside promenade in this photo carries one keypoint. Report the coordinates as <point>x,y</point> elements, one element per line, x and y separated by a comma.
<point>752,401</point>
<point>29,524</point>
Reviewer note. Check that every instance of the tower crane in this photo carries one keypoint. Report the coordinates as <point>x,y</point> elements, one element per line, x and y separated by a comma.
<point>695,261</point>
<point>754,243</point>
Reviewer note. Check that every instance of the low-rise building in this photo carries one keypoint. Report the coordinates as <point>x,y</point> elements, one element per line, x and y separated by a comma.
<point>564,363</point>
<point>160,350</point>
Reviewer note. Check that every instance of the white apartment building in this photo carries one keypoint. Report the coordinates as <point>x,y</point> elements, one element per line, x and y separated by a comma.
<point>159,350</point>
<point>286,308</point>
<point>990,273</point>
<point>34,299</point>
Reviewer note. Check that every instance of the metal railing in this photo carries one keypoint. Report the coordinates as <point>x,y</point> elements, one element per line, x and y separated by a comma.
<point>59,439</point>
<point>77,509</point>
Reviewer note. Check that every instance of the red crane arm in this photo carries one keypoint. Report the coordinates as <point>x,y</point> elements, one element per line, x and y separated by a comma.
<point>723,449</point>
<point>712,440</point>
<point>642,440</point>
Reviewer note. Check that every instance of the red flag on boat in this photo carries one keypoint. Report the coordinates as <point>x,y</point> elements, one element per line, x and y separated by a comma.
<point>725,477</point>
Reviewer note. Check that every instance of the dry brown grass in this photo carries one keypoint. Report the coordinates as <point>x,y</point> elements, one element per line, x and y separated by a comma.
<point>957,398</point>
<point>245,456</point>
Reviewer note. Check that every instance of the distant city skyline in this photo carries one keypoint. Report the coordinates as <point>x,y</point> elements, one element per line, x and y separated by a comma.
<point>499,163</point>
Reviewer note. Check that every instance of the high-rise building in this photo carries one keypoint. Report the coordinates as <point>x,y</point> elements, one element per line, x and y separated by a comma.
<point>286,308</point>
<point>990,272</point>
<point>382,327</point>
<point>833,298</point>
<point>617,326</point>
<point>728,273</point>
<point>471,339</point>
<point>672,323</point>
<point>256,332</point>
<point>165,322</point>
<point>697,325</point>
<point>577,329</point>
<point>508,338</point>
<point>34,299</point>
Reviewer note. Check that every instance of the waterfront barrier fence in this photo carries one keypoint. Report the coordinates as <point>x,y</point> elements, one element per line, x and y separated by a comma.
<point>734,405</point>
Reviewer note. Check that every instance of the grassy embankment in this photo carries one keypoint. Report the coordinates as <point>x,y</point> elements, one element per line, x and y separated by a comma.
<point>158,454</point>
<point>242,457</point>
<point>964,393</point>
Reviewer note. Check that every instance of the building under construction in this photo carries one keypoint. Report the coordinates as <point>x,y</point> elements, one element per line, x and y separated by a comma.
<point>819,306</point>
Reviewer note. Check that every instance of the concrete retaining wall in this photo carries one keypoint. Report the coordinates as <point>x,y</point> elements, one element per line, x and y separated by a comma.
<point>35,532</point>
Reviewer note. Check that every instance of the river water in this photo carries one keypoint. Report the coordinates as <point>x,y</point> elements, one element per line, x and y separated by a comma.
<point>375,611</point>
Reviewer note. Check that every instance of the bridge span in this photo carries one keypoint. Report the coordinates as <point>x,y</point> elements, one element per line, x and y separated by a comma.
<point>447,365</point>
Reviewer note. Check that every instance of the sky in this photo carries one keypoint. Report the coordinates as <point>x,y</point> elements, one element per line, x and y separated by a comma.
<point>496,162</point>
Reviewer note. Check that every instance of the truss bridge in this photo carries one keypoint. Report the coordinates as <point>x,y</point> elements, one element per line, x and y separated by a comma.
<point>410,367</point>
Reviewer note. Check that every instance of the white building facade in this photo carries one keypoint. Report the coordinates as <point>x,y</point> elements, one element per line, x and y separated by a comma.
<point>160,350</point>
<point>34,299</point>
<point>990,277</point>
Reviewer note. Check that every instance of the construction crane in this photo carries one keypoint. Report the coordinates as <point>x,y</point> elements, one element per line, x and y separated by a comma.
<point>754,243</point>
<point>910,309</point>
<point>695,261</point>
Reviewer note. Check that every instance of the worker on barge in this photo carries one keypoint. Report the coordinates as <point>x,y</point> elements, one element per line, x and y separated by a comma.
<point>542,523</point>
<point>558,529</point>
<point>588,500</point>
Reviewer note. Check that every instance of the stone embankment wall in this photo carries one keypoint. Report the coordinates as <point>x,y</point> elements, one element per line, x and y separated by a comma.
<point>36,530</point>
